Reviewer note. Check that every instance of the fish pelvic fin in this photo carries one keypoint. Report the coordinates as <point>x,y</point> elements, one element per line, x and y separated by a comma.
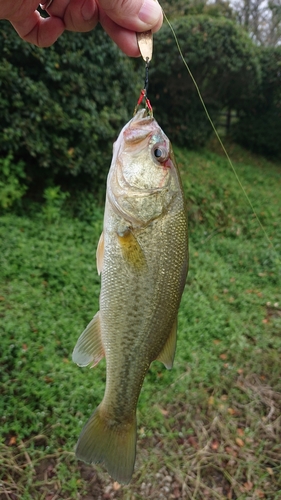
<point>167,354</point>
<point>89,348</point>
<point>105,441</point>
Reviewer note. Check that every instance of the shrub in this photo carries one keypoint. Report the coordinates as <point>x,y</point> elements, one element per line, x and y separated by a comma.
<point>61,108</point>
<point>224,63</point>
<point>259,127</point>
<point>12,181</point>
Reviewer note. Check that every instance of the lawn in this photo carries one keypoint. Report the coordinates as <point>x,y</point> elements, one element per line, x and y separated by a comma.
<point>208,429</point>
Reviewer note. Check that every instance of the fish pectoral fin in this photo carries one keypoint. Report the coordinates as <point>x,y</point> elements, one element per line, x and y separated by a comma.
<point>112,443</point>
<point>167,354</point>
<point>132,252</point>
<point>100,253</point>
<point>89,348</point>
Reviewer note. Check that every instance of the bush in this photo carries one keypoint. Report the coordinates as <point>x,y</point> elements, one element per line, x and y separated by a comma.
<point>12,181</point>
<point>259,127</point>
<point>224,63</point>
<point>61,108</point>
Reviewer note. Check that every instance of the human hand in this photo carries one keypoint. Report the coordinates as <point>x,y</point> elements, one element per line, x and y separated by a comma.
<point>119,18</point>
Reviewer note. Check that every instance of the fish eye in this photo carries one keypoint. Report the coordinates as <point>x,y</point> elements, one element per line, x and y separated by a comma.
<point>160,153</point>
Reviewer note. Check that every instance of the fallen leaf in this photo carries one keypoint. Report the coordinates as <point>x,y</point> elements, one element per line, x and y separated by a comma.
<point>248,485</point>
<point>239,442</point>
<point>223,356</point>
<point>177,493</point>
<point>270,471</point>
<point>163,412</point>
<point>116,486</point>
<point>231,411</point>
<point>260,493</point>
<point>12,441</point>
<point>215,445</point>
<point>211,400</point>
<point>230,451</point>
<point>193,442</point>
<point>240,432</point>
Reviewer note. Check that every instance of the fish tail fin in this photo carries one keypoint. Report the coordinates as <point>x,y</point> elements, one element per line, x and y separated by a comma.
<point>114,444</point>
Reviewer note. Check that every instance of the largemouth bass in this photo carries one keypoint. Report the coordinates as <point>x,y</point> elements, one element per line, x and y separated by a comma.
<point>142,257</point>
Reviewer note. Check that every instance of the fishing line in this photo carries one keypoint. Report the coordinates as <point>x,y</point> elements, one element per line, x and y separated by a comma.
<point>215,130</point>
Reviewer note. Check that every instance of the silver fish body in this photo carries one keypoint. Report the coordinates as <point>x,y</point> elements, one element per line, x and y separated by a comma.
<point>142,256</point>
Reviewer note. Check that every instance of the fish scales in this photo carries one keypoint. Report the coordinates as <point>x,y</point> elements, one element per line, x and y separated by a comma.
<point>143,326</point>
<point>142,256</point>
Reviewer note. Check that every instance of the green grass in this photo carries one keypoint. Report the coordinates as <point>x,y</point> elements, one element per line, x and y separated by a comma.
<point>208,429</point>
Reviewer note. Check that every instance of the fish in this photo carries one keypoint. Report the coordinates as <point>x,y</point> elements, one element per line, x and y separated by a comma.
<point>142,256</point>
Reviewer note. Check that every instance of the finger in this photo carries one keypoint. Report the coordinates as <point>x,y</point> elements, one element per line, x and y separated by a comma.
<point>77,15</point>
<point>39,31</point>
<point>134,15</point>
<point>125,39</point>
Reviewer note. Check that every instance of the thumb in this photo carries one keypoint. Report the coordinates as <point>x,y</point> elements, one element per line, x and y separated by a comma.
<point>134,15</point>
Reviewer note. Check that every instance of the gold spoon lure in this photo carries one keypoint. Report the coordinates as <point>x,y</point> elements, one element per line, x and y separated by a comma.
<point>145,43</point>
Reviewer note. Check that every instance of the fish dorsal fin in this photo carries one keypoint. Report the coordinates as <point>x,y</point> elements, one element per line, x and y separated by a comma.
<point>131,250</point>
<point>100,253</point>
<point>167,354</point>
<point>89,348</point>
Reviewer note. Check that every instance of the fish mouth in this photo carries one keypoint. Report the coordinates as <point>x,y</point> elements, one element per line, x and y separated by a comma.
<point>139,128</point>
<point>141,118</point>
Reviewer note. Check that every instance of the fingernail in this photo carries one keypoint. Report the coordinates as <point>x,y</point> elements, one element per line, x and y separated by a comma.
<point>150,12</point>
<point>88,10</point>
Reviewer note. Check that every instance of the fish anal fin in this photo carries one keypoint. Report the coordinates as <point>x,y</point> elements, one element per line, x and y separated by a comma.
<point>131,250</point>
<point>100,253</point>
<point>89,348</point>
<point>167,354</point>
<point>104,441</point>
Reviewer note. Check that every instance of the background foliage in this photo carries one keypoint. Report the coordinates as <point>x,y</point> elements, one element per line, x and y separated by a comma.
<point>61,107</point>
<point>225,66</point>
<point>259,126</point>
<point>209,428</point>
